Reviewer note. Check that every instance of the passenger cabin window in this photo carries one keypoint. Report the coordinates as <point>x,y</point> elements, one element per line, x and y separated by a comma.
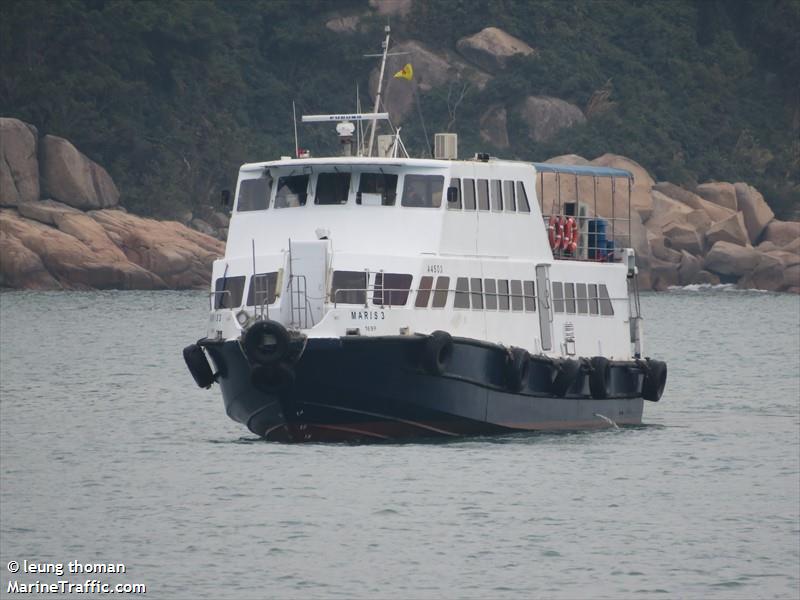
<point>558,297</point>
<point>569,294</point>
<point>522,199</point>
<point>228,292</point>
<point>292,191</point>
<point>377,189</point>
<point>262,289</point>
<point>254,194</point>
<point>454,194</point>
<point>583,305</point>
<point>508,196</point>
<point>497,195</point>
<point>490,288</point>
<point>593,308</point>
<point>424,292</point>
<point>606,308</point>
<point>469,194</point>
<point>442,290</point>
<point>516,295</point>
<point>476,286</point>
<point>423,191</point>
<point>502,294</point>
<point>332,188</point>
<point>391,289</point>
<point>530,296</point>
<point>349,287</point>
<point>462,293</point>
<point>483,194</point>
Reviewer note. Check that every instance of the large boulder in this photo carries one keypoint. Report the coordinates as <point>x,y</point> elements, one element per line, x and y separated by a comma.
<point>491,48</point>
<point>20,267</point>
<point>661,251</point>
<point>700,220</point>
<point>757,214</point>
<point>45,211</point>
<point>726,258</point>
<point>714,211</point>
<point>391,8</point>
<point>546,116</point>
<point>642,181</point>
<point>782,233</point>
<point>791,278</point>
<point>70,262</point>
<point>70,177</point>
<point>19,168</point>
<point>180,256</point>
<point>342,24</point>
<point>767,275</point>
<point>664,274</point>
<point>689,268</point>
<point>731,230</point>
<point>494,126</point>
<point>705,278</point>
<point>665,211</point>
<point>719,192</point>
<point>682,236</point>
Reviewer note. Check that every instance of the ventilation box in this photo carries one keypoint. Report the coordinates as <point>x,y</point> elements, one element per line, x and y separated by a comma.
<point>445,146</point>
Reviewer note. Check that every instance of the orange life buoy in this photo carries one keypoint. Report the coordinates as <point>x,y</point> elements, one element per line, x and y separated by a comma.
<point>570,239</point>
<point>555,232</point>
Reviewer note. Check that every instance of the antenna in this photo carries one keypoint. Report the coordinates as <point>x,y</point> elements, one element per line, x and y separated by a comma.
<point>294,120</point>
<point>388,30</point>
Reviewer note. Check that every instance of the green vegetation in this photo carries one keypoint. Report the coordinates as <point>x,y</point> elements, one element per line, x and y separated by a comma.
<point>172,96</point>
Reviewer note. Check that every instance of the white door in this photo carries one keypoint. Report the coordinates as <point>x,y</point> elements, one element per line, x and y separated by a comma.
<point>306,287</point>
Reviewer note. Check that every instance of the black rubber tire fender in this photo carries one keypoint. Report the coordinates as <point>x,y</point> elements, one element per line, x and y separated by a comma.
<point>273,379</point>
<point>655,380</point>
<point>600,377</point>
<point>437,352</point>
<point>265,343</point>
<point>517,369</point>
<point>566,372</point>
<point>198,365</point>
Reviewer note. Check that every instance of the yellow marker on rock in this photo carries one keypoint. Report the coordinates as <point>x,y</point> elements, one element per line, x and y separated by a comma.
<point>406,72</point>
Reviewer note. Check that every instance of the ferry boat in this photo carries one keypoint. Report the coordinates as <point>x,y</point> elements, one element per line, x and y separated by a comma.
<point>373,296</point>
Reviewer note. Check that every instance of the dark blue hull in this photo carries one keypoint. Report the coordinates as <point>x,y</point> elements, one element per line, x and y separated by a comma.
<point>361,388</point>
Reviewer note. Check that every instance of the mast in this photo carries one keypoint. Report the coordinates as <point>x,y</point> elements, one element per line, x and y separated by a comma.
<point>387,29</point>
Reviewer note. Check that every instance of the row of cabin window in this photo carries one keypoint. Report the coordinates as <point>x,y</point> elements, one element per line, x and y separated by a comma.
<point>485,194</point>
<point>374,189</point>
<point>581,299</point>
<point>392,289</point>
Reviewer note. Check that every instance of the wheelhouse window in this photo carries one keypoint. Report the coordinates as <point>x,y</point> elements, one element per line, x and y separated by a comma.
<point>228,292</point>
<point>508,196</point>
<point>606,308</point>
<point>292,191</point>
<point>262,289</point>
<point>454,194</point>
<point>391,289</point>
<point>332,188</point>
<point>377,189</point>
<point>522,198</point>
<point>497,195</point>
<point>469,194</point>
<point>483,194</point>
<point>424,292</point>
<point>423,191</point>
<point>349,287</point>
<point>593,306</point>
<point>441,293</point>
<point>558,297</point>
<point>254,194</point>
<point>462,293</point>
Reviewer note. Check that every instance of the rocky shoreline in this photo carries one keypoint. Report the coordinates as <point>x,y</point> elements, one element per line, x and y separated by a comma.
<point>62,227</point>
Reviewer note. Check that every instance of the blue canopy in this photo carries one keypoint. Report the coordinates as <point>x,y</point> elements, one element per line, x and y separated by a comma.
<point>582,170</point>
